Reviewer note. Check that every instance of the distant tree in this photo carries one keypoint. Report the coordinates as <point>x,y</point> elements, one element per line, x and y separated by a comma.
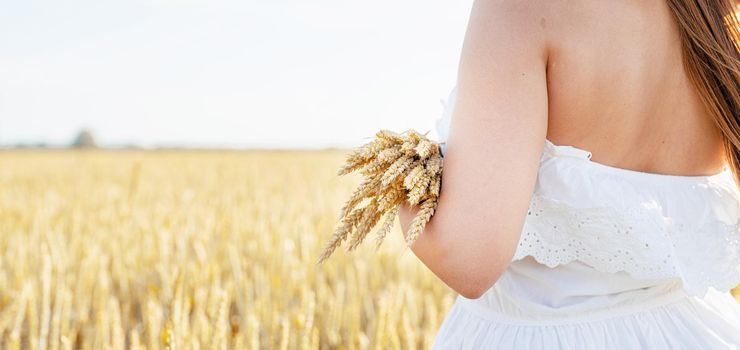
<point>84,139</point>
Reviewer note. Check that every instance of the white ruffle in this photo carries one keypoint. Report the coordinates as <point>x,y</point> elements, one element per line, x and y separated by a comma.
<point>685,323</point>
<point>648,225</point>
<point>638,240</point>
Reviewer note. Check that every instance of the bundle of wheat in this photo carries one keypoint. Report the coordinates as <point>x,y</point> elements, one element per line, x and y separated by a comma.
<point>395,168</point>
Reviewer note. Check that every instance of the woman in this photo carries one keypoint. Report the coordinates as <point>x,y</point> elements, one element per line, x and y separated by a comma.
<point>589,196</point>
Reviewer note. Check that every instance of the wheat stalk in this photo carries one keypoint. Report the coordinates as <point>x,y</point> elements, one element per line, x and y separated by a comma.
<point>396,168</point>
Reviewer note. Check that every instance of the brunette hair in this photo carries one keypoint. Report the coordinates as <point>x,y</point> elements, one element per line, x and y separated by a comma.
<point>710,44</point>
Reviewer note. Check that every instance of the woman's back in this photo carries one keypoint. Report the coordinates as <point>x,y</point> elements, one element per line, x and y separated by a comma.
<point>611,258</point>
<point>617,87</point>
<point>634,248</point>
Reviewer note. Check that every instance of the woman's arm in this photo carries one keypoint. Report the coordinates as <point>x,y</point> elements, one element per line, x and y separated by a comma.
<point>495,142</point>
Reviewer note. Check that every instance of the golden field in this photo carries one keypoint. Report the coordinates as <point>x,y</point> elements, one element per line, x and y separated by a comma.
<point>198,250</point>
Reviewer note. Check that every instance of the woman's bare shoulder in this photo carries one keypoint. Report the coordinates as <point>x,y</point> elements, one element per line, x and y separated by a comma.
<point>617,86</point>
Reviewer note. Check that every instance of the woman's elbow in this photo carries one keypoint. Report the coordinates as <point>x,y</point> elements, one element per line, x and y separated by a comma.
<point>476,287</point>
<point>465,265</point>
<point>455,267</point>
<point>473,269</point>
<point>471,293</point>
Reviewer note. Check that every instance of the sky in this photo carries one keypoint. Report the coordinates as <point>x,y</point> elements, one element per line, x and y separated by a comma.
<point>254,73</point>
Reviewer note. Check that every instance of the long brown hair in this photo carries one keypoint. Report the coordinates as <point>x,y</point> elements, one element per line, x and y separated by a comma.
<point>710,44</point>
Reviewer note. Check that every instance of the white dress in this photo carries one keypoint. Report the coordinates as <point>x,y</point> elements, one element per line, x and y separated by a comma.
<point>611,258</point>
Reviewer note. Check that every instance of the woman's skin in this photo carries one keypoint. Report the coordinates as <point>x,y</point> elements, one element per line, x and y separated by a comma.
<point>600,75</point>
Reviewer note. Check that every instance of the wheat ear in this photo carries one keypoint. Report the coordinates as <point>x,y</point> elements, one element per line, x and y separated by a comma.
<point>397,168</point>
<point>425,213</point>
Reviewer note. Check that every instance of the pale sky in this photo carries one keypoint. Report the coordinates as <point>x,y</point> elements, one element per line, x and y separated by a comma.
<point>254,73</point>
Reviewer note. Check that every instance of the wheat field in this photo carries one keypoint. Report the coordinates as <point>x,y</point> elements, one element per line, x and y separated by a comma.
<point>198,250</point>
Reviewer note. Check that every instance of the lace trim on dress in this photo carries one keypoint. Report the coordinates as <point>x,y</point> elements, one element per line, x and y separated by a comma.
<point>640,241</point>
